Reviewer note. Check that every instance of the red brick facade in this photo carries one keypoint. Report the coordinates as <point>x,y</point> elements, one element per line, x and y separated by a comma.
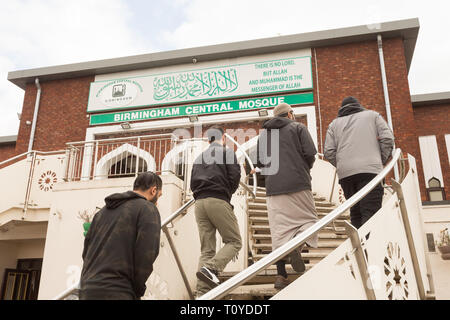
<point>435,120</point>
<point>338,71</point>
<point>7,150</point>
<point>61,117</point>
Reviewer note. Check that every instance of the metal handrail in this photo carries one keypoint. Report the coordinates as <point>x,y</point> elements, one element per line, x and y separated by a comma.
<point>221,290</point>
<point>125,138</point>
<point>30,152</point>
<point>253,193</point>
<point>164,224</point>
<point>179,211</point>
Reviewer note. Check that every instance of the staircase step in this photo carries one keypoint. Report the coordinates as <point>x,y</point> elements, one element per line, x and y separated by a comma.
<point>261,197</point>
<point>305,255</point>
<point>324,204</point>
<point>320,244</point>
<point>322,235</point>
<point>259,219</point>
<point>252,292</point>
<point>253,212</point>
<point>266,276</point>
<point>321,212</point>
<point>264,220</point>
<point>260,228</point>
<point>324,209</point>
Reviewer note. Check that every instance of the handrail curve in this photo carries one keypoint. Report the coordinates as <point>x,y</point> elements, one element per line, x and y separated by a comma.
<point>250,162</point>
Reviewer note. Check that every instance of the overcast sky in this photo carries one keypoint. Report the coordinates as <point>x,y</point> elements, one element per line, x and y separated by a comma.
<point>39,33</point>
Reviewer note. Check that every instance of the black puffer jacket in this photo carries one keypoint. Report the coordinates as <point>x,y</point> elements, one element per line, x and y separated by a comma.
<point>215,173</point>
<point>121,245</point>
<point>296,156</point>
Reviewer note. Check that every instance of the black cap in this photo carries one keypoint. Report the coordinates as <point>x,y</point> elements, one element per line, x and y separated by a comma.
<point>349,100</point>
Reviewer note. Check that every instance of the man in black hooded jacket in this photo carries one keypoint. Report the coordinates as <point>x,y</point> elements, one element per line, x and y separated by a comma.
<point>122,243</point>
<point>215,177</point>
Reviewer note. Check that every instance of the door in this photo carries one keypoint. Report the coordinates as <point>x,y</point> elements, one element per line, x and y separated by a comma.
<point>15,284</point>
<point>22,283</point>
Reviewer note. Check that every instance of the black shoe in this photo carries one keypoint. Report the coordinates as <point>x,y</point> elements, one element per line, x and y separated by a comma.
<point>208,276</point>
<point>281,282</point>
<point>296,261</point>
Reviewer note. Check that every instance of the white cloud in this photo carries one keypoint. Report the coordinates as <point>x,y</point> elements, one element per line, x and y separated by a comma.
<point>41,33</point>
<point>209,22</point>
<point>38,33</point>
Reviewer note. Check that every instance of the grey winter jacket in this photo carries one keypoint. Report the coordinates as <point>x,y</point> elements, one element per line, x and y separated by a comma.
<point>286,153</point>
<point>358,141</point>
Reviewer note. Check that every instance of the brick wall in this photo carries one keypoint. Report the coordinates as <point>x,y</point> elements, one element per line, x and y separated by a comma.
<point>354,70</point>
<point>61,116</point>
<point>343,70</point>
<point>7,150</point>
<point>435,120</point>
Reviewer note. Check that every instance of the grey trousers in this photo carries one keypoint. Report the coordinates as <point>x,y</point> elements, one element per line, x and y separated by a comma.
<point>215,214</point>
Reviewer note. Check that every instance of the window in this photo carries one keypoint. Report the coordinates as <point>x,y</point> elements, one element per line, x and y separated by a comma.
<point>126,167</point>
<point>435,191</point>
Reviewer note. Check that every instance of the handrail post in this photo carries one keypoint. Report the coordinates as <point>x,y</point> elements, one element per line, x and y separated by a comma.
<point>95,160</point>
<point>29,184</point>
<point>255,182</point>
<point>409,236</point>
<point>138,153</point>
<point>334,183</point>
<point>178,261</point>
<point>352,233</point>
<point>66,166</point>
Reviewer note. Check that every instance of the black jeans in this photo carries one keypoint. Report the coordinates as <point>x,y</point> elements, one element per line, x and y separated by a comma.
<point>369,205</point>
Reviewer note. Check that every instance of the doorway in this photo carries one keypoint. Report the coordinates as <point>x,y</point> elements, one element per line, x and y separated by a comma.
<point>22,283</point>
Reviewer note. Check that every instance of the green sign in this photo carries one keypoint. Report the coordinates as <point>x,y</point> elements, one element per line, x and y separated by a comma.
<point>199,109</point>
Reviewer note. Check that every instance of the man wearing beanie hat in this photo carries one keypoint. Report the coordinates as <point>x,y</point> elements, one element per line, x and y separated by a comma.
<point>290,202</point>
<point>358,143</point>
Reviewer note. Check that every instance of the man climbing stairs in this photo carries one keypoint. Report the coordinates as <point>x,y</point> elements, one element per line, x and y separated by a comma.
<point>260,244</point>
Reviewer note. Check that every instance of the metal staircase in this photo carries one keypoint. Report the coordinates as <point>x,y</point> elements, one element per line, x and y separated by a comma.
<point>260,244</point>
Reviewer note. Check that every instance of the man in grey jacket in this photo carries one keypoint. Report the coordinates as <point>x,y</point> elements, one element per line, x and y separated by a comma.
<point>359,143</point>
<point>286,153</point>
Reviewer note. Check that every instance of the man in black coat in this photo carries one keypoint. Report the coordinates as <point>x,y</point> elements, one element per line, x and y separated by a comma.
<point>122,243</point>
<point>215,177</point>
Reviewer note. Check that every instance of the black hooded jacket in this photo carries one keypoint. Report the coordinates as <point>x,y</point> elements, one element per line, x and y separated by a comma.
<point>296,154</point>
<point>121,245</point>
<point>215,173</point>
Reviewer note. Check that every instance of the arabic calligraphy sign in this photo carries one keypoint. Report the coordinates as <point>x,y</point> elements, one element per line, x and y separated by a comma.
<point>238,80</point>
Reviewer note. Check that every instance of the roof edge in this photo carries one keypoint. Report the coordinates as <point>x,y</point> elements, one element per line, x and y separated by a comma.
<point>407,29</point>
<point>8,139</point>
<point>430,98</point>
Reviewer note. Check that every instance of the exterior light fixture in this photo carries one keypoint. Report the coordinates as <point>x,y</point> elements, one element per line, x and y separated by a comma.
<point>125,125</point>
<point>193,118</point>
<point>263,113</point>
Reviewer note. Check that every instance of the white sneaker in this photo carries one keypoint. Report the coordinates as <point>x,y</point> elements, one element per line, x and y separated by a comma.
<point>208,276</point>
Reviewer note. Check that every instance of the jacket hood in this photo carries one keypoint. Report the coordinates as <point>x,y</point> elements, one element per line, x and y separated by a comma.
<point>349,109</point>
<point>115,200</point>
<point>276,123</point>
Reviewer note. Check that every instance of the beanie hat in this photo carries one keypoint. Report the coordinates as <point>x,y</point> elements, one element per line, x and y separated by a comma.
<point>281,109</point>
<point>349,100</point>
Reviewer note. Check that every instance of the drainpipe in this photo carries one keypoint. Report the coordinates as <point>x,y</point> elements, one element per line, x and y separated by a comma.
<point>36,109</point>
<point>386,95</point>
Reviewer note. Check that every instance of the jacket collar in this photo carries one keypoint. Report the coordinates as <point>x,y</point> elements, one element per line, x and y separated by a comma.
<point>349,109</point>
